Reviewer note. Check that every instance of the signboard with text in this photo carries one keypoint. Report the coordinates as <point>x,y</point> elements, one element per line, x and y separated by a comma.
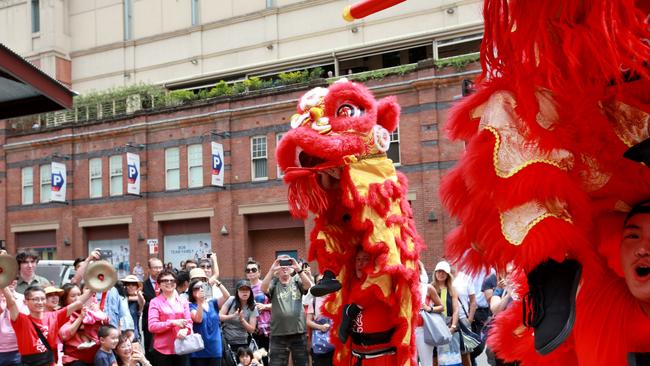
<point>59,180</point>
<point>217,164</point>
<point>133,168</point>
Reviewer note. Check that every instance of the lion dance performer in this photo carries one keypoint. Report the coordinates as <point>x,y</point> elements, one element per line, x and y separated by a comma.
<point>543,183</point>
<point>364,239</point>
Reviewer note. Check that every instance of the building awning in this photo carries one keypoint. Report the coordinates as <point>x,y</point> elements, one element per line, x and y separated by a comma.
<point>25,90</point>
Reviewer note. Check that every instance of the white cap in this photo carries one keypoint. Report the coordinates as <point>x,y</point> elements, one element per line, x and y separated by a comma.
<point>443,266</point>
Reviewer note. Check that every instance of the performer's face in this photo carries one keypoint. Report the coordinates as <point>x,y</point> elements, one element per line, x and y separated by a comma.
<point>361,261</point>
<point>635,256</point>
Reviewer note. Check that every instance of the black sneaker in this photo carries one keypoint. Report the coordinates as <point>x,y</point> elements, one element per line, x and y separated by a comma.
<point>350,312</point>
<point>550,305</point>
<point>326,285</point>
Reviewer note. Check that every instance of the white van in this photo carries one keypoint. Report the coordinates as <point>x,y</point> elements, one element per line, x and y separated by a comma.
<point>59,272</point>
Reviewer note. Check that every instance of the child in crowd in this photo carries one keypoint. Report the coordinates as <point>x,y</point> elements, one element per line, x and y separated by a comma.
<point>108,338</point>
<point>52,295</point>
<point>246,357</point>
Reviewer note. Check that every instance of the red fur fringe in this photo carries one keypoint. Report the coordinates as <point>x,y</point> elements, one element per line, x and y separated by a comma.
<point>305,193</point>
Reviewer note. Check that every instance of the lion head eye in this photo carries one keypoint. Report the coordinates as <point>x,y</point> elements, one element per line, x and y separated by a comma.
<point>349,110</point>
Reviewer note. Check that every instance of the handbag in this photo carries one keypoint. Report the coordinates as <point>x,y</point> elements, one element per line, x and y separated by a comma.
<point>471,340</point>
<point>320,341</point>
<point>39,359</point>
<point>436,332</point>
<point>190,344</point>
<point>450,354</point>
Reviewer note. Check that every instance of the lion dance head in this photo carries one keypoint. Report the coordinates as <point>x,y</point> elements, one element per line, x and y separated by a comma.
<point>332,126</point>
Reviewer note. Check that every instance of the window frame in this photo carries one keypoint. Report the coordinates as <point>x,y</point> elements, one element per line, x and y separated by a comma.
<point>36,15</point>
<point>25,186</point>
<point>278,136</point>
<point>195,12</point>
<point>168,169</point>
<point>92,178</point>
<point>399,150</point>
<point>47,182</point>
<point>128,20</point>
<point>253,158</point>
<point>111,167</point>
<point>190,166</point>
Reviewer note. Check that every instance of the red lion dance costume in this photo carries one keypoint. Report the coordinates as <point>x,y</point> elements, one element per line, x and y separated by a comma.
<point>564,93</point>
<point>336,167</point>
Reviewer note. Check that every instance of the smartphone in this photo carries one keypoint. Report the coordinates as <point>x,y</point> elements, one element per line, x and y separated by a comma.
<point>285,262</point>
<point>105,254</point>
<point>136,347</point>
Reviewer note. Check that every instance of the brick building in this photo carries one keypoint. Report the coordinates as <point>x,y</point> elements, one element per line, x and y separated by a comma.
<point>178,206</point>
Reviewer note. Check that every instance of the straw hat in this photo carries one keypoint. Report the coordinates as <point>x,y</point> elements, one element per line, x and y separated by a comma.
<point>197,273</point>
<point>51,290</point>
<point>130,279</point>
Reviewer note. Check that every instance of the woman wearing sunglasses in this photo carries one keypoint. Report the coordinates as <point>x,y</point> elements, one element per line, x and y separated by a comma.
<point>263,304</point>
<point>169,319</point>
<point>205,318</point>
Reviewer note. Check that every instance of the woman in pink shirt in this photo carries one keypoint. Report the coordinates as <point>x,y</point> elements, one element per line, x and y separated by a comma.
<point>9,355</point>
<point>169,319</point>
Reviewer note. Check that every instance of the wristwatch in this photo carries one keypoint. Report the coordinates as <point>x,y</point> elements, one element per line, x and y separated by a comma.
<point>301,271</point>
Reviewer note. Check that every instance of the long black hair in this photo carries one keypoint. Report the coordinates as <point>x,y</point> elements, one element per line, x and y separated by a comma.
<point>251,299</point>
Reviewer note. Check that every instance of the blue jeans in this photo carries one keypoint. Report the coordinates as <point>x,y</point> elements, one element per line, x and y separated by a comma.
<point>281,346</point>
<point>10,358</point>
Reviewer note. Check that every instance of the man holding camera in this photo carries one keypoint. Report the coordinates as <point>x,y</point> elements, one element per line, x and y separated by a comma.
<point>288,324</point>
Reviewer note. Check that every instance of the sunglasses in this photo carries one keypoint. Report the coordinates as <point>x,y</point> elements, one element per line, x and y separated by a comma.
<point>169,280</point>
<point>206,266</point>
<point>250,270</point>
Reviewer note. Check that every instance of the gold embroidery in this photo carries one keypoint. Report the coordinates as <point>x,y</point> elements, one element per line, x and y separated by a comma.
<point>517,222</point>
<point>630,123</point>
<point>547,116</point>
<point>510,159</point>
<point>513,150</point>
<point>622,207</point>
<point>592,178</point>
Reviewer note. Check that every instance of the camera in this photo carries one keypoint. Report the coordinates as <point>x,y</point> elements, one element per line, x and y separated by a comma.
<point>285,262</point>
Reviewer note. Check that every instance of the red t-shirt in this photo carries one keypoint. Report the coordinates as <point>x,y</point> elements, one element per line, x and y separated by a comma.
<point>28,341</point>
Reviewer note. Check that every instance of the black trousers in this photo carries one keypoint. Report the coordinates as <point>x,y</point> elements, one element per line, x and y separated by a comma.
<point>160,359</point>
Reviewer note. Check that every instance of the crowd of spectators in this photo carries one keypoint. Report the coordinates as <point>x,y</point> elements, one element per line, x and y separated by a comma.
<point>139,319</point>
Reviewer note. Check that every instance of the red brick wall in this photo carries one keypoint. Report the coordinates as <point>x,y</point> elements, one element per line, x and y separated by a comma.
<point>265,244</point>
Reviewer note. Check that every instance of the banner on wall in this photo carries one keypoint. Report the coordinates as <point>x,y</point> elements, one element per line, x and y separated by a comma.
<point>133,167</point>
<point>183,247</point>
<point>59,180</point>
<point>217,164</point>
<point>119,248</point>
